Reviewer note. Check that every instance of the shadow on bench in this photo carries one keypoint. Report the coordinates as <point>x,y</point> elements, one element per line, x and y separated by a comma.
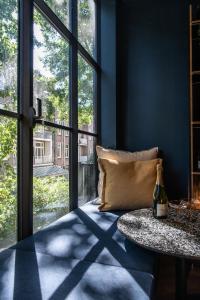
<point>80,256</point>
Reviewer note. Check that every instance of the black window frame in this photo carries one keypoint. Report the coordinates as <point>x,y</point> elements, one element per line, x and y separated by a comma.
<point>25,112</point>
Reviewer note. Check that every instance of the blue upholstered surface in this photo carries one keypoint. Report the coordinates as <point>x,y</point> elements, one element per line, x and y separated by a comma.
<point>31,276</point>
<point>80,256</point>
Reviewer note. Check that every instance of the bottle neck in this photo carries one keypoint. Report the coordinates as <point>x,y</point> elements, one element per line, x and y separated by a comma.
<point>159,179</point>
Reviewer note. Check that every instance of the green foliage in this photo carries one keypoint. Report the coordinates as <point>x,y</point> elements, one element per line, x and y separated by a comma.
<point>8,30</point>
<point>61,8</point>
<point>8,53</point>
<point>86,24</point>
<point>8,132</point>
<point>85,95</point>
<point>8,205</point>
<point>50,192</point>
<point>84,10</point>
<point>8,181</point>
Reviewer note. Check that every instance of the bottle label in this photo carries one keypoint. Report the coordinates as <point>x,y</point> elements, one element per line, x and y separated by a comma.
<point>162,210</point>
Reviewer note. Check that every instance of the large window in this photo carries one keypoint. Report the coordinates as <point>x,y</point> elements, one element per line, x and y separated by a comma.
<point>49,82</point>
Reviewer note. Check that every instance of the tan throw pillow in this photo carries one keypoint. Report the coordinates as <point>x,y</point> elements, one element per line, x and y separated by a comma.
<point>129,185</point>
<point>125,156</point>
<point>121,156</point>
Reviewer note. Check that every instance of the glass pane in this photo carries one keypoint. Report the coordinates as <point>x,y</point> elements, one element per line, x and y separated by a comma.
<point>8,54</point>
<point>8,181</point>
<point>61,9</point>
<point>86,168</point>
<point>51,71</point>
<point>86,24</point>
<point>85,96</point>
<point>51,175</point>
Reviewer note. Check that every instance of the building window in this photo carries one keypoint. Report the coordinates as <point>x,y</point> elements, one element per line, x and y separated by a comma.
<point>66,151</point>
<point>59,149</point>
<point>39,149</point>
<point>62,70</point>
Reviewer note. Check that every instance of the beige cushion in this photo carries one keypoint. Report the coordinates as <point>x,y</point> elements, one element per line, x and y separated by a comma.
<point>125,156</point>
<point>121,156</point>
<point>128,186</point>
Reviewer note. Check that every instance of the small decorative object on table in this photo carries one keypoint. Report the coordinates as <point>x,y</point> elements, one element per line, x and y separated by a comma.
<point>194,204</point>
<point>186,209</point>
<point>160,200</point>
<point>180,206</point>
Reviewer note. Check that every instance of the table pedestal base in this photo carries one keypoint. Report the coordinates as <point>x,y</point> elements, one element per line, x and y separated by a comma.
<point>181,279</point>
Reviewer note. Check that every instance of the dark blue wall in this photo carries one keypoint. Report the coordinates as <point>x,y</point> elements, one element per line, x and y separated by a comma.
<point>108,76</point>
<point>144,90</point>
<point>153,63</point>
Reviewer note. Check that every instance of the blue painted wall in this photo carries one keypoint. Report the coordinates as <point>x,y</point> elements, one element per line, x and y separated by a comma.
<point>153,63</point>
<point>108,76</point>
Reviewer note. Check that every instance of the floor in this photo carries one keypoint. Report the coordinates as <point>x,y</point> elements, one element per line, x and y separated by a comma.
<point>165,289</point>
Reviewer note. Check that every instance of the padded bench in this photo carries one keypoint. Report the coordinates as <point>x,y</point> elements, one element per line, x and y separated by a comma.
<point>81,256</point>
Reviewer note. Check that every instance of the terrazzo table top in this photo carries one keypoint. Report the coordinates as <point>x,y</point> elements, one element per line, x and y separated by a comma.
<point>178,235</point>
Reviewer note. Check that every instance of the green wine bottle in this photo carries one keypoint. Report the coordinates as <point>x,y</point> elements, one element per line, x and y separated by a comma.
<point>160,200</point>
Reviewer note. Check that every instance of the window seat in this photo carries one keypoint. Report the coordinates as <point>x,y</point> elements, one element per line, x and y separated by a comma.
<point>80,256</point>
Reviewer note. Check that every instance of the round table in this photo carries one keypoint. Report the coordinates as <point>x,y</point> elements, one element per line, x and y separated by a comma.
<point>178,235</point>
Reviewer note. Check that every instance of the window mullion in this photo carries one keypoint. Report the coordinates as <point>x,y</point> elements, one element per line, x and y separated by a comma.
<point>98,72</point>
<point>97,81</point>
<point>25,141</point>
<point>73,167</point>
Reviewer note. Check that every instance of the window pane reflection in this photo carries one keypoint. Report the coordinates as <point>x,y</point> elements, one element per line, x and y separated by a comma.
<point>86,168</point>
<point>51,175</point>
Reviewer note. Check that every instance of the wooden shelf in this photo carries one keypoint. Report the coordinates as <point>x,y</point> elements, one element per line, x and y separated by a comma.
<point>195,72</point>
<point>194,106</point>
<point>196,83</point>
<point>196,22</point>
<point>195,123</point>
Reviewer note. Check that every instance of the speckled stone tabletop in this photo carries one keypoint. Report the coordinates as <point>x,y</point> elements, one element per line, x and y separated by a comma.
<point>178,235</point>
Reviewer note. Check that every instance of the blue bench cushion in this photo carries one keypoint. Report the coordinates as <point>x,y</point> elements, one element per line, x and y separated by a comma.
<point>89,235</point>
<point>27,275</point>
<point>80,256</point>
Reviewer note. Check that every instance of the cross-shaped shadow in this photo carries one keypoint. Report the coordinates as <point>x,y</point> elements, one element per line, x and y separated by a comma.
<point>26,266</point>
<point>105,241</point>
